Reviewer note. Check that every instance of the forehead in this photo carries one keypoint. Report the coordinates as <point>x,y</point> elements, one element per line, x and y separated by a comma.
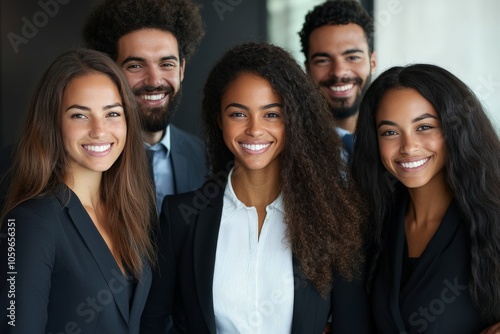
<point>147,43</point>
<point>250,87</point>
<point>337,37</point>
<point>404,104</point>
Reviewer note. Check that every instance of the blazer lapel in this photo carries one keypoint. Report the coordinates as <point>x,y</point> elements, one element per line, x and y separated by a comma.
<point>104,259</point>
<point>204,249</point>
<point>180,164</point>
<point>140,295</point>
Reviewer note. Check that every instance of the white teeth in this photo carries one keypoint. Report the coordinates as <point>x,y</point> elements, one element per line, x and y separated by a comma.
<point>95,148</point>
<point>255,147</point>
<point>341,88</point>
<point>414,164</point>
<point>153,97</point>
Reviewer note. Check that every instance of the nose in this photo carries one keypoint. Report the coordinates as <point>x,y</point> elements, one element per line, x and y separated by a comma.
<point>409,144</point>
<point>255,127</point>
<point>338,68</point>
<point>97,129</point>
<point>153,77</point>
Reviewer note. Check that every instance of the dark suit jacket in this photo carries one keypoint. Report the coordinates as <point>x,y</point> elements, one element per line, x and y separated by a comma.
<point>435,298</point>
<point>183,284</point>
<point>188,160</point>
<point>65,278</point>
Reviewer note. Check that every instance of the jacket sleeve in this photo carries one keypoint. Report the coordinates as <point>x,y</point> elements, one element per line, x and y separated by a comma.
<point>27,251</point>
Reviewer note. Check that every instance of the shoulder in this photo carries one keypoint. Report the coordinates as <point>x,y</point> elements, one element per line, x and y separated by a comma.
<point>41,207</point>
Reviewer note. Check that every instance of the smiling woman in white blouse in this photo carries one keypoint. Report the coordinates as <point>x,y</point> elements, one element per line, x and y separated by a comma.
<point>272,244</point>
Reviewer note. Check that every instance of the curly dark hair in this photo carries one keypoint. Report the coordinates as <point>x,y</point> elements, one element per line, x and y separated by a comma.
<point>336,12</point>
<point>112,19</point>
<point>472,168</point>
<point>323,208</point>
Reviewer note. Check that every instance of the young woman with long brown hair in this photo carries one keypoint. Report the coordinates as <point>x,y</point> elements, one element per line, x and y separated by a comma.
<point>79,209</point>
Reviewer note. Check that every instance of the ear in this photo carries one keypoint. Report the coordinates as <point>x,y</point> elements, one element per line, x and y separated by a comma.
<point>182,68</point>
<point>373,61</point>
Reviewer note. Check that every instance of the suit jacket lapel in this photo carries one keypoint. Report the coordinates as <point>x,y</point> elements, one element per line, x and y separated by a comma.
<point>101,254</point>
<point>180,164</point>
<point>140,295</point>
<point>205,247</point>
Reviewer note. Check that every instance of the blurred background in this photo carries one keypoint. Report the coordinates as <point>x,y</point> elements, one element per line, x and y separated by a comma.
<point>459,35</point>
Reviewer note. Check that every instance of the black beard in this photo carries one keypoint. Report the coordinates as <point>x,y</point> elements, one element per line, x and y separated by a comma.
<point>157,119</point>
<point>345,111</point>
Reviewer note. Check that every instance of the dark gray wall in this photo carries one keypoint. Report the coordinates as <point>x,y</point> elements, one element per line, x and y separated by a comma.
<point>34,32</point>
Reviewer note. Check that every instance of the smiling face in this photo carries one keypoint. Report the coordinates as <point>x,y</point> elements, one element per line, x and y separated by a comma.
<point>94,127</point>
<point>252,123</point>
<point>411,142</point>
<point>151,62</point>
<point>339,60</point>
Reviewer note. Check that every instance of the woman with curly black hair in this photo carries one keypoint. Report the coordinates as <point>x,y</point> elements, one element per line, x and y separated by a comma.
<point>273,242</point>
<point>428,161</point>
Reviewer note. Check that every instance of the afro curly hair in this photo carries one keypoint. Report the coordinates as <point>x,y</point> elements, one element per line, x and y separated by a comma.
<point>112,19</point>
<point>336,12</point>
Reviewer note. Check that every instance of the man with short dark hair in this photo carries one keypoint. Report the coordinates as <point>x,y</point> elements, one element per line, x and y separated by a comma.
<point>337,42</point>
<point>151,40</point>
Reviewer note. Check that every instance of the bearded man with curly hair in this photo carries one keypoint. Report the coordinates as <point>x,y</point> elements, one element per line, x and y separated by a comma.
<point>337,42</point>
<point>151,40</point>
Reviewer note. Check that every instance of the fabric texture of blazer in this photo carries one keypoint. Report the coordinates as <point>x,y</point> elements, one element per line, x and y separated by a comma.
<point>60,274</point>
<point>435,298</point>
<point>182,284</point>
<point>188,160</point>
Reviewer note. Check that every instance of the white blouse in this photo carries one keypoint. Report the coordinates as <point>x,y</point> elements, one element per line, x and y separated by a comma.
<point>253,285</point>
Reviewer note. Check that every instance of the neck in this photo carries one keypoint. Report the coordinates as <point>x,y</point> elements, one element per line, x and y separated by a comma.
<point>87,187</point>
<point>256,188</point>
<point>429,204</point>
<point>348,124</point>
<point>152,138</point>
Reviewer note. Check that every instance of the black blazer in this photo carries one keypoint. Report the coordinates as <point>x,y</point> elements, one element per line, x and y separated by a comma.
<point>66,279</point>
<point>182,286</point>
<point>435,298</point>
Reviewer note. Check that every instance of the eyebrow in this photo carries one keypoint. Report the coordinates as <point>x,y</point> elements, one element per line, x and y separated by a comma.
<point>344,53</point>
<point>415,120</point>
<point>143,60</point>
<point>80,107</point>
<point>267,106</point>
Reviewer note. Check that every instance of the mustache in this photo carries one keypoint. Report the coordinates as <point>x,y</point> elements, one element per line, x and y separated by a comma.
<point>336,80</point>
<point>150,89</point>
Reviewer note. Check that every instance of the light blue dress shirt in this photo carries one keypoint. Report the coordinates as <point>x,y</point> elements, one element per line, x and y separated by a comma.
<point>162,168</point>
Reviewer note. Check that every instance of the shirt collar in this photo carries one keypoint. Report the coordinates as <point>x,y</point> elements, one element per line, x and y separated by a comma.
<point>235,204</point>
<point>163,143</point>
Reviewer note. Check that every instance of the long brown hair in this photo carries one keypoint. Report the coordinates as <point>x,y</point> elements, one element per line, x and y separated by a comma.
<point>323,209</point>
<point>126,189</point>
